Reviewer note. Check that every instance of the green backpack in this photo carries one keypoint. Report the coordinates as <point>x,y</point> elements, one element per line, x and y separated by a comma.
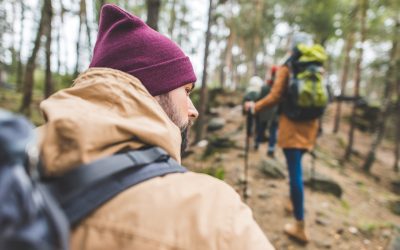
<point>307,95</point>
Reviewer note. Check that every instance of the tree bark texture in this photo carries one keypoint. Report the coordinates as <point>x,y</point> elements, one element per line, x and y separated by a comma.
<point>357,80</point>
<point>389,84</point>
<point>48,84</point>
<point>88,30</point>
<point>31,65</point>
<point>227,60</point>
<point>59,36</point>
<point>397,146</point>
<point>153,11</point>
<point>343,80</point>
<point>78,41</point>
<point>21,41</point>
<point>397,105</point>
<point>172,22</point>
<point>203,92</point>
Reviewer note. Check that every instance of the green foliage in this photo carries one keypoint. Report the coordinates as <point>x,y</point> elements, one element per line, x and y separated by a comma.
<point>212,97</point>
<point>195,97</point>
<point>64,81</point>
<point>60,81</point>
<point>369,227</point>
<point>139,9</point>
<point>313,16</point>
<point>39,76</point>
<point>10,100</point>
<point>345,205</point>
<point>217,172</point>
<point>251,26</point>
<point>342,143</point>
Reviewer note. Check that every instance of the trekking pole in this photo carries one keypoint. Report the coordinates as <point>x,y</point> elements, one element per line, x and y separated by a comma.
<point>313,157</point>
<point>249,128</point>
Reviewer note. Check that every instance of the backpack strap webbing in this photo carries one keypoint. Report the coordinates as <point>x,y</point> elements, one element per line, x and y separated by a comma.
<point>85,188</point>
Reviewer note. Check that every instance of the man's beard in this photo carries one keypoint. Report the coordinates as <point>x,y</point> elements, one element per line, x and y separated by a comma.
<point>185,137</point>
<point>172,112</point>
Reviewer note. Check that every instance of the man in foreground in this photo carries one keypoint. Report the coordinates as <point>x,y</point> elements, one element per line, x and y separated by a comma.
<point>135,95</point>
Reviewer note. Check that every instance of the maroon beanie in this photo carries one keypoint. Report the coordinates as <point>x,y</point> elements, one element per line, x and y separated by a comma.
<point>126,43</point>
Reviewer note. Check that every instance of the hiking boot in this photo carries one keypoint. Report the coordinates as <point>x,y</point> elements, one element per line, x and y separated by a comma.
<point>297,231</point>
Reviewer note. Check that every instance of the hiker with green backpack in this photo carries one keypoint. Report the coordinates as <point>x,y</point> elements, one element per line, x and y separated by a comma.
<point>301,94</point>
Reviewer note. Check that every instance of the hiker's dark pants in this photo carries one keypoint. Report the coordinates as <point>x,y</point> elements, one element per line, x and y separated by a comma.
<point>273,128</point>
<point>261,126</point>
<point>293,159</point>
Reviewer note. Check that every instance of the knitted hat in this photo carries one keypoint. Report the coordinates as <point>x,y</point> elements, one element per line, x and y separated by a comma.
<point>126,43</point>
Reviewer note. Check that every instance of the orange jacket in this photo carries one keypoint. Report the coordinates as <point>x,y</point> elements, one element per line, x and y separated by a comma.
<point>107,110</point>
<point>291,134</point>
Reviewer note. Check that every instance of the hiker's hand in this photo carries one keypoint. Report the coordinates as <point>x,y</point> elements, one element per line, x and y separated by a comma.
<point>249,107</point>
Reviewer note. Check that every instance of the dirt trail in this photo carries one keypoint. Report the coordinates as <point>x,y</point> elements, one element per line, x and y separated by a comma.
<point>360,220</point>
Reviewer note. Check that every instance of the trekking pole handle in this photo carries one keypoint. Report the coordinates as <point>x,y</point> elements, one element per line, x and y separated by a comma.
<point>249,107</point>
<point>249,124</point>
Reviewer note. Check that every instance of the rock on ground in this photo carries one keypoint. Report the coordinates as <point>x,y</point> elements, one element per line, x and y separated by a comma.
<point>272,168</point>
<point>394,243</point>
<point>216,124</point>
<point>321,183</point>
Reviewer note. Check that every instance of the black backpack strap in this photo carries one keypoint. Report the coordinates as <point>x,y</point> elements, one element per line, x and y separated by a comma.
<point>85,188</point>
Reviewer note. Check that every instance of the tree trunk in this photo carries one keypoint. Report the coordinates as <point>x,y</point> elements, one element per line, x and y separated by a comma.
<point>21,41</point>
<point>88,30</point>
<point>349,149</point>
<point>227,69</point>
<point>390,79</point>
<point>59,35</point>
<point>222,76</point>
<point>48,84</point>
<point>369,161</point>
<point>172,21</point>
<point>397,106</point>
<point>78,42</point>
<point>183,23</point>
<point>343,80</point>
<point>397,146</point>
<point>203,93</point>
<point>13,49</point>
<point>98,5</point>
<point>153,11</point>
<point>3,28</point>
<point>31,65</point>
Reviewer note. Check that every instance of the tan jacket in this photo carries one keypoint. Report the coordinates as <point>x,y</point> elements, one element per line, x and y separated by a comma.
<point>291,134</point>
<point>107,110</point>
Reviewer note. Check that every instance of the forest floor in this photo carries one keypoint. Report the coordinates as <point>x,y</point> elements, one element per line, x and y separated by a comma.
<point>360,219</point>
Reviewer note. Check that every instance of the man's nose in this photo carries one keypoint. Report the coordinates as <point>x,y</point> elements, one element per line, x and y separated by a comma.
<point>193,113</point>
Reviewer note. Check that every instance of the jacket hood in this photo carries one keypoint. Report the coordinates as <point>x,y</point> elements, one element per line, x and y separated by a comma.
<point>105,111</point>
